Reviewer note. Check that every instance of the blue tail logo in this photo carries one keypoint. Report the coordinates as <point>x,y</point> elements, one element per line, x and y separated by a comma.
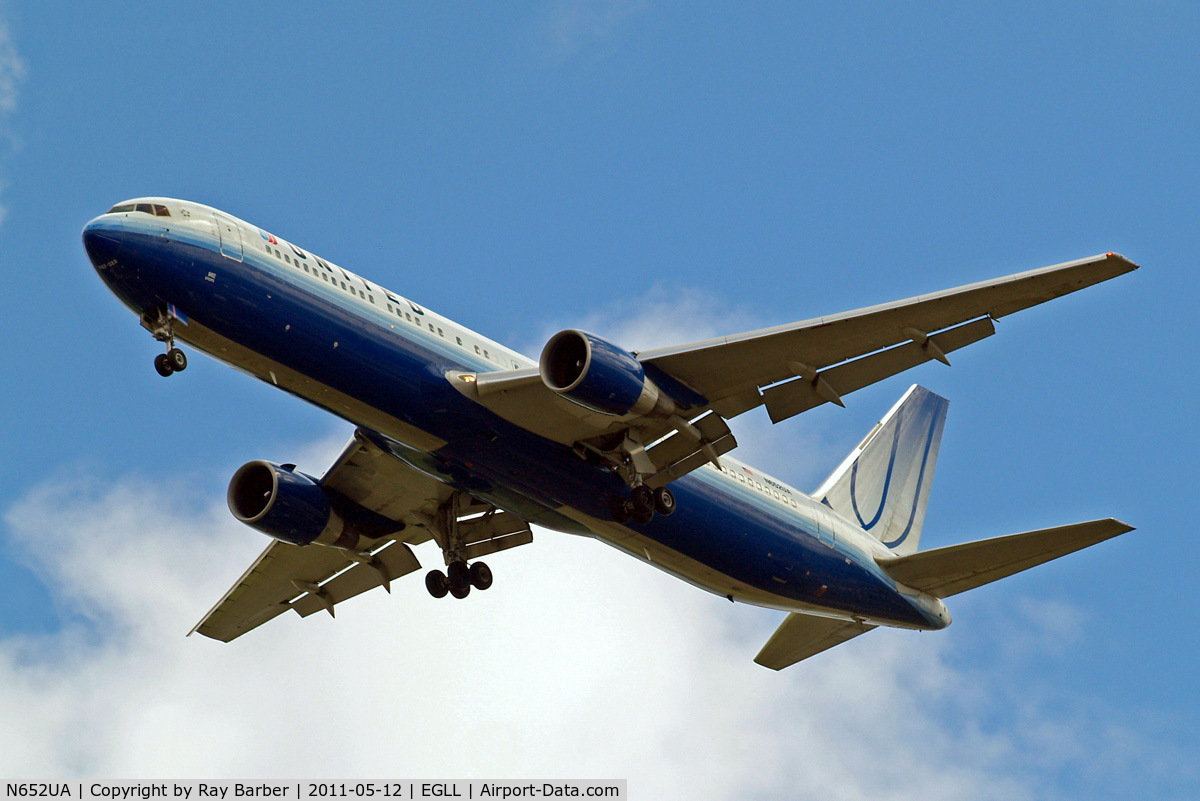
<point>891,469</point>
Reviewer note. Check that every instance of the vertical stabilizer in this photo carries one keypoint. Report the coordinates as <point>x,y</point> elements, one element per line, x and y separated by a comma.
<point>883,485</point>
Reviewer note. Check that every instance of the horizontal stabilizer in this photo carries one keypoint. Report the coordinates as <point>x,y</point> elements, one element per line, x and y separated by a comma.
<point>801,636</point>
<point>948,571</point>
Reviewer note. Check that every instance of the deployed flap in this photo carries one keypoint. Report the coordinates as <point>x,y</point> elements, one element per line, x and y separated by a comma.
<point>793,397</point>
<point>278,579</point>
<point>948,571</point>
<point>735,366</point>
<point>801,636</point>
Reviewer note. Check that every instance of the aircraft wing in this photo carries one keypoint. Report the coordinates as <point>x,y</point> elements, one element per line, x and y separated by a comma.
<point>312,578</point>
<point>801,636</point>
<point>729,371</point>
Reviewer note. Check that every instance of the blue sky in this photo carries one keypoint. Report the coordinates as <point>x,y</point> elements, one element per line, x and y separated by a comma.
<point>657,172</point>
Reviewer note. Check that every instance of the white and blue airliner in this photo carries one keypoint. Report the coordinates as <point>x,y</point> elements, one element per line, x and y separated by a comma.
<point>465,442</point>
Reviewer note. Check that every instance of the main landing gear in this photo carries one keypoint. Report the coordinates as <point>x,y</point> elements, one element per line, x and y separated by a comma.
<point>642,504</point>
<point>162,325</point>
<point>458,579</point>
<point>453,532</point>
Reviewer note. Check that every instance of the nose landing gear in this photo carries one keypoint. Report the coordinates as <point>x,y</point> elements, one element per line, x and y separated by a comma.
<point>162,325</point>
<point>173,361</point>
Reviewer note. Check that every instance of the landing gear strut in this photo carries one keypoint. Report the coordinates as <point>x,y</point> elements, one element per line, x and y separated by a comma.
<point>162,325</point>
<point>459,577</point>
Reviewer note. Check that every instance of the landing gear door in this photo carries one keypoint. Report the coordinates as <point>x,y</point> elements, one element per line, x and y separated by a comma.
<point>231,237</point>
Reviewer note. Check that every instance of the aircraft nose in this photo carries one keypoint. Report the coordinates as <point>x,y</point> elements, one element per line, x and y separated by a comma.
<point>103,239</point>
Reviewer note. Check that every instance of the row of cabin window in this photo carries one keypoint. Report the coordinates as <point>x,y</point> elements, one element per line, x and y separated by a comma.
<point>437,330</point>
<point>396,310</point>
<point>314,271</point>
<point>776,494</point>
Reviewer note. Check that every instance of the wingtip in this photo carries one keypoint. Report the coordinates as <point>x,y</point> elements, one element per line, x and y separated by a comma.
<point>1117,257</point>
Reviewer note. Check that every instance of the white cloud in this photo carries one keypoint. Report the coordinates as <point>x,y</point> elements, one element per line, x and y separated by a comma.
<point>12,71</point>
<point>578,663</point>
<point>572,25</point>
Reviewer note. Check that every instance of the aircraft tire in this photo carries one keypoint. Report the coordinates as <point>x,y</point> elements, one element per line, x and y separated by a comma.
<point>459,578</point>
<point>621,509</point>
<point>643,499</point>
<point>162,365</point>
<point>481,576</point>
<point>435,582</point>
<point>664,501</point>
<point>178,359</point>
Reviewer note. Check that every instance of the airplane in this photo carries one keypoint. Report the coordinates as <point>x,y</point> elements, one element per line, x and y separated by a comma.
<point>465,442</point>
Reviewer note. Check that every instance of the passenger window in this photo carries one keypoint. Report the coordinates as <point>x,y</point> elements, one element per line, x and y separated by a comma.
<point>477,350</point>
<point>287,258</point>
<point>431,327</point>
<point>458,340</point>
<point>277,255</point>
<point>440,334</point>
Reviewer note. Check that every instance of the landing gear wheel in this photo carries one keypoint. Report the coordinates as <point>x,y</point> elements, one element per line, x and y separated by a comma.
<point>435,582</point>
<point>641,498</point>
<point>621,509</point>
<point>178,359</point>
<point>664,501</point>
<point>162,364</point>
<point>459,579</point>
<point>481,576</point>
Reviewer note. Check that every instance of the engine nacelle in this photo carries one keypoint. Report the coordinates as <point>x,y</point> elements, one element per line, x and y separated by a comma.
<point>286,505</point>
<point>597,374</point>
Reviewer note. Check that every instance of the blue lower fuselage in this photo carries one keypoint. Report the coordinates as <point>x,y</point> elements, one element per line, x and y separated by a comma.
<point>722,538</point>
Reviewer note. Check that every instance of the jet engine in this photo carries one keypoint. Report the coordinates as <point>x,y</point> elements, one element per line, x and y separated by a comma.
<point>597,374</point>
<point>287,505</point>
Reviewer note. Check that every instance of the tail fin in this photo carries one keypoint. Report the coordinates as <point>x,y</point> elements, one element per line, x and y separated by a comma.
<point>883,485</point>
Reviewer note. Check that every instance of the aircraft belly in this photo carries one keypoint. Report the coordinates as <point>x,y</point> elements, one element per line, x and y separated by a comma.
<point>314,344</point>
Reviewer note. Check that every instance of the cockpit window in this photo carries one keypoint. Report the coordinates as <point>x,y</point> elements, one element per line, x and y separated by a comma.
<point>157,209</point>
